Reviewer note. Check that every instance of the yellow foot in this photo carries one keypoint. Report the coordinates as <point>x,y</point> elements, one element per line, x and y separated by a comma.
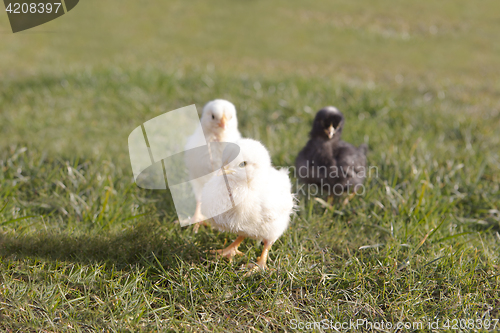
<point>232,250</point>
<point>197,225</point>
<point>228,252</point>
<point>252,269</point>
<point>261,261</point>
<point>198,219</point>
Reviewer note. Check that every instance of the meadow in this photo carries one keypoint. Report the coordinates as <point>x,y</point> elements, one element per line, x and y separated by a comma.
<point>83,249</point>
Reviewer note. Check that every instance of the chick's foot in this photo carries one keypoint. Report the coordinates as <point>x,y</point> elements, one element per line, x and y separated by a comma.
<point>261,261</point>
<point>197,225</point>
<point>232,250</point>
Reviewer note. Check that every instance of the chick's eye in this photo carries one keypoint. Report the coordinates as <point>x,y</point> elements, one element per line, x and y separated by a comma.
<point>213,117</point>
<point>242,164</point>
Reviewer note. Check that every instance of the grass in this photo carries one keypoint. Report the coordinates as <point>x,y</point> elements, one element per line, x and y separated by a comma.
<point>83,249</point>
<point>434,42</point>
<point>98,252</point>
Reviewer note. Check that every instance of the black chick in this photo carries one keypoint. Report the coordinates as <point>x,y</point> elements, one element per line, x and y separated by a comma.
<point>335,166</point>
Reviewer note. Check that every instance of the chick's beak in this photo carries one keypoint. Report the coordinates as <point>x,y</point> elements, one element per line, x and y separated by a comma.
<point>330,131</point>
<point>223,121</point>
<point>225,170</point>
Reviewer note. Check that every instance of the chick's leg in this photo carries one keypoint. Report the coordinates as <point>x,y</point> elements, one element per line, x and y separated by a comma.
<point>198,217</point>
<point>262,260</point>
<point>231,250</point>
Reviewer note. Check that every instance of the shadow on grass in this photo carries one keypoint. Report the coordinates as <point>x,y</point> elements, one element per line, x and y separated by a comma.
<point>137,245</point>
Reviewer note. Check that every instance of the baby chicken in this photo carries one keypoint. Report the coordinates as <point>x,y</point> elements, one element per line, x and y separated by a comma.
<point>326,160</point>
<point>218,124</point>
<point>255,198</point>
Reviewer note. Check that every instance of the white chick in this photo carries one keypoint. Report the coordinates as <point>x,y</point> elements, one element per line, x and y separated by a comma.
<point>218,124</point>
<point>263,197</point>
